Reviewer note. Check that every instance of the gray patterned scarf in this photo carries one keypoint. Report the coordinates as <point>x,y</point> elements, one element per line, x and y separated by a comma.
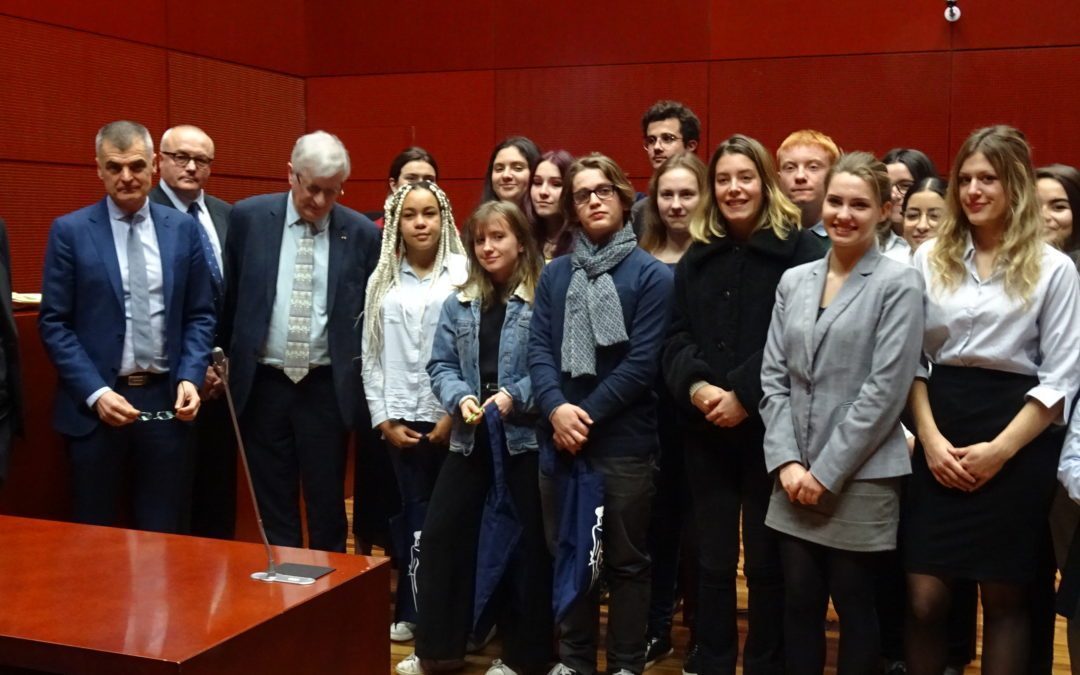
<point>593,311</point>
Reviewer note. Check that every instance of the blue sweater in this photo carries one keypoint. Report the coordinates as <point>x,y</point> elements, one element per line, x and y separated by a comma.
<point>620,397</point>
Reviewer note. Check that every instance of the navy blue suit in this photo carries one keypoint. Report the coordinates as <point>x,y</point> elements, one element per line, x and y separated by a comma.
<point>295,428</point>
<point>82,324</point>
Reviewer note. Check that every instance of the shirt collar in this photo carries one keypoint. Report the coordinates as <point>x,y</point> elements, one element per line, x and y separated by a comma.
<point>819,229</point>
<point>292,216</point>
<point>181,203</point>
<point>116,213</point>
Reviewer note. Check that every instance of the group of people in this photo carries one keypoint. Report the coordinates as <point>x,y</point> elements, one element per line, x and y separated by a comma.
<point>853,370</point>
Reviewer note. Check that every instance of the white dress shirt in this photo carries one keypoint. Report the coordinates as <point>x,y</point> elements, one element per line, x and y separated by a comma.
<point>204,217</point>
<point>978,325</point>
<point>144,227</point>
<point>399,386</point>
<point>896,248</point>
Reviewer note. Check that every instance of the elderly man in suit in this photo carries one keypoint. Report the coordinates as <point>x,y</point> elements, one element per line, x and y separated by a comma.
<point>127,318</point>
<point>184,159</point>
<point>10,380</point>
<point>297,264</point>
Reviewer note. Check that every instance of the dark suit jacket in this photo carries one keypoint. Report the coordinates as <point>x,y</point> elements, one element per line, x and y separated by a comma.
<point>10,340</point>
<point>82,307</point>
<point>219,215</point>
<point>251,266</point>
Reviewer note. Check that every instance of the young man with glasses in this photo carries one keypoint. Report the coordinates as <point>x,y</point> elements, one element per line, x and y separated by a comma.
<point>668,128</point>
<point>185,155</point>
<point>297,264</point>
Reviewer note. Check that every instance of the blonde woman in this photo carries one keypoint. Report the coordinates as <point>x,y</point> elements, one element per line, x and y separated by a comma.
<point>724,291</point>
<point>420,263</point>
<point>1003,336</point>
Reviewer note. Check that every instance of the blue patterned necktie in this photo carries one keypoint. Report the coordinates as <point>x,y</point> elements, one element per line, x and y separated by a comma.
<point>207,247</point>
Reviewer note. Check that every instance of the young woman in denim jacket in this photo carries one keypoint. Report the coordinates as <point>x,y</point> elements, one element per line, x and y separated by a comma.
<point>479,358</point>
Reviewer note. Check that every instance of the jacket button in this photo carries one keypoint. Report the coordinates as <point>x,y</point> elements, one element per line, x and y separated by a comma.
<point>727,294</point>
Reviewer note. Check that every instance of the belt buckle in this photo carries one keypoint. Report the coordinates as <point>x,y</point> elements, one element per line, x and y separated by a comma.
<point>138,380</point>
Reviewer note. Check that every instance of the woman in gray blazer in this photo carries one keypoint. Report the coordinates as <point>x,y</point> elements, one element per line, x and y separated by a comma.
<point>842,351</point>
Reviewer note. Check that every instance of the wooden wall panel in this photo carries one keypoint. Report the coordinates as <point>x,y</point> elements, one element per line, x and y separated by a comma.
<point>769,98</point>
<point>1034,90</point>
<point>449,114</point>
<point>254,116</point>
<point>596,107</point>
<point>66,85</point>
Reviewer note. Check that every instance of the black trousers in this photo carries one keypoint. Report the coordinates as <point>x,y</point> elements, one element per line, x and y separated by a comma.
<point>728,479</point>
<point>152,458</point>
<point>448,563</point>
<point>213,499</point>
<point>295,437</point>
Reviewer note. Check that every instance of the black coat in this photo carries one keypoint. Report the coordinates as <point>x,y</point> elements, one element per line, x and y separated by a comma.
<point>724,295</point>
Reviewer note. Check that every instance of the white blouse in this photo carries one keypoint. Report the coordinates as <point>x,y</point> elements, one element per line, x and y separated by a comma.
<point>895,248</point>
<point>399,386</point>
<point>978,325</point>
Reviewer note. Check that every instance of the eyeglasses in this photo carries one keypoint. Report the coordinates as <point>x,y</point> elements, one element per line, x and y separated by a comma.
<point>604,192</point>
<point>664,140</point>
<point>314,190</point>
<point>152,416</point>
<point>901,187</point>
<point>181,159</point>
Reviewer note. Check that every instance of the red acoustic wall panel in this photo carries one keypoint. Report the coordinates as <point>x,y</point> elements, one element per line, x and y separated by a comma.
<point>1032,89</point>
<point>567,33</point>
<point>449,114</point>
<point>254,32</point>
<point>369,195</point>
<point>345,37</point>
<point>233,189</point>
<point>985,24</point>
<point>868,103</point>
<point>595,107</point>
<point>60,86</point>
<point>144,22</point>
<point>32,197</point>
<point>782,28</point>
<point>254,116</point>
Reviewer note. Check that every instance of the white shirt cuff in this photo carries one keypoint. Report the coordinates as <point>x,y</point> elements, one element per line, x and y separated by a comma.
<point>93,398</point>
<point>1050,397</point>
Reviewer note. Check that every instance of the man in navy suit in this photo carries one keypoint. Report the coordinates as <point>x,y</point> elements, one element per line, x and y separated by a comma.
<point>297,264</point>
<point>127,318</point>
<point>185,156</point>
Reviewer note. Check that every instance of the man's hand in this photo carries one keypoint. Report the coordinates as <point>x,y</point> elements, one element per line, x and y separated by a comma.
<point>571,426</point>
<point>187,401</point>
<point>114,410</point>
<point>213,386</point>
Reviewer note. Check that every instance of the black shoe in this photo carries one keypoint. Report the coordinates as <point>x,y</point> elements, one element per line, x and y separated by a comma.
<point>656,649</point>
<point>690,663</point>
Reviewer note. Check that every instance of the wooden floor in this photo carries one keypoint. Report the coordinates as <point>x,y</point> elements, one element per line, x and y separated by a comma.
<point>477,664</point>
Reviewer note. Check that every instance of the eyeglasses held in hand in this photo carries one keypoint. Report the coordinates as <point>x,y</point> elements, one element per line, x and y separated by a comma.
<point>152,416</point>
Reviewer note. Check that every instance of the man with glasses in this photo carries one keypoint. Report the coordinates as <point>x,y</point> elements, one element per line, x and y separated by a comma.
<point>668,128</point>
<point>297,264</point>
<point>184,159</point>
<point>127,318</point>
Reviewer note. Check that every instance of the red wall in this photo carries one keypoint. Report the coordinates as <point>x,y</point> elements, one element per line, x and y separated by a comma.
<point>457,77</point>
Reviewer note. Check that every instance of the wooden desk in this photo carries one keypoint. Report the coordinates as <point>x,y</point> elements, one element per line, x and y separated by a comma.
<point>99,600</point>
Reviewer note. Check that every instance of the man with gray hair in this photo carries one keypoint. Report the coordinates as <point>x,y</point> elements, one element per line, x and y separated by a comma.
<point>127,318</point>
<point>297,265</point>
<point>184,159</point>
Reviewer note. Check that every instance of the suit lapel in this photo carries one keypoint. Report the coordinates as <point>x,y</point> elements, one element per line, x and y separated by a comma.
<point>102,235</point>
<point>272,251</point>
<point>337,256</point>
<point>810,295</point>
<point>853,285</point>
<point>165,228</point>
<point>220,220</point>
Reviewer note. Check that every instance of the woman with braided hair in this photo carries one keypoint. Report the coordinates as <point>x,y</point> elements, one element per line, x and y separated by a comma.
<point>420,263</point>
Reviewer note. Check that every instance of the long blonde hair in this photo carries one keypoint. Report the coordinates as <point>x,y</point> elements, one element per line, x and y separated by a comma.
<point>654,234</point>
<point>1020,253</point>
<point>777,211</point>
<point>387,273</point>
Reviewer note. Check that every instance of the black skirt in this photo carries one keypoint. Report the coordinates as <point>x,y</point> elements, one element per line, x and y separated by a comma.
<point>991,534</point>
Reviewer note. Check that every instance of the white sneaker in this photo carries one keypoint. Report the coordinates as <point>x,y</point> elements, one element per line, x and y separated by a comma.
<point>410,665</point>
<point>560,669</point>
<point>622,671</point>
<point>500,668</point>
<point>402,631</point>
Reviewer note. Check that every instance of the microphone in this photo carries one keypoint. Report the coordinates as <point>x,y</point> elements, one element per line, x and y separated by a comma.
<point>286,573</point>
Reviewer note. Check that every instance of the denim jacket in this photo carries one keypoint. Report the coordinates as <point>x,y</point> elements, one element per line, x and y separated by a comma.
<point>454,367</point>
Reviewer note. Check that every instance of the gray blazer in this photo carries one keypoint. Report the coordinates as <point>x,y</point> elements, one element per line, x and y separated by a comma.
<point>834,386</point>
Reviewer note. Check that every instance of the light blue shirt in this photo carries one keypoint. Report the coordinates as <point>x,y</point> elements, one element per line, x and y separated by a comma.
<point>144,227</point>
<point>207,223</point>
<point>273,353</point>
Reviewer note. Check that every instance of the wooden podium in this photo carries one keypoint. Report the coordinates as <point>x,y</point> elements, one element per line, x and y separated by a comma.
<point>108,601</point>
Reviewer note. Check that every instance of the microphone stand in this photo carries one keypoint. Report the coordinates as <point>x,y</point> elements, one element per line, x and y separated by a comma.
<point>286,573</point>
